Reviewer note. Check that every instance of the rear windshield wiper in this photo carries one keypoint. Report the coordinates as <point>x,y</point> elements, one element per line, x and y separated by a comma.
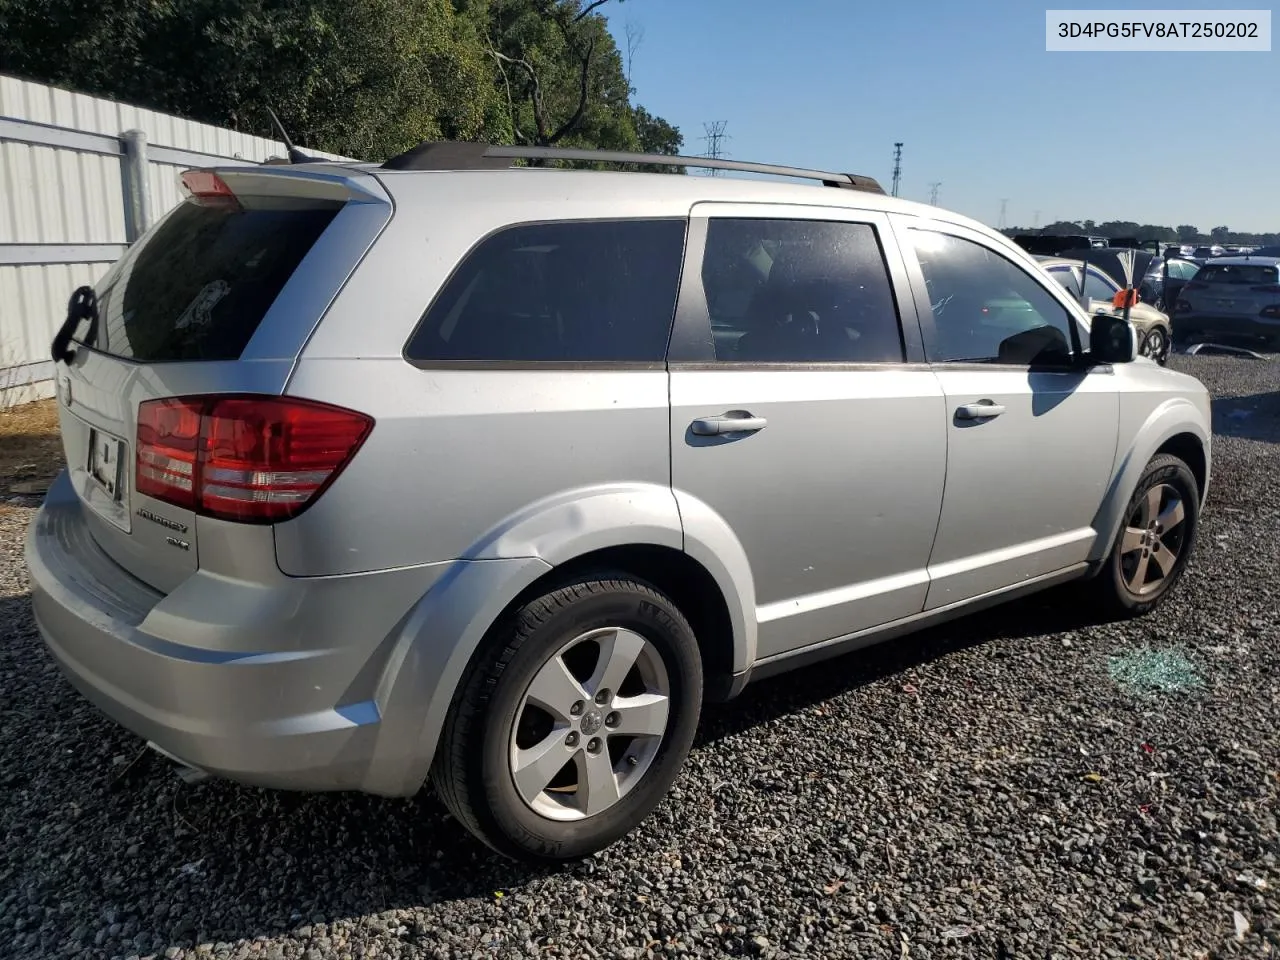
<point>83,306</point>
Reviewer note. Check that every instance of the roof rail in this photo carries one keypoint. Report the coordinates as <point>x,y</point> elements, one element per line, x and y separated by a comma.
<point>462,155</point>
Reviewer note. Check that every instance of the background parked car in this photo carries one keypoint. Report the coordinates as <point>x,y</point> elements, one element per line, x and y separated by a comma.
<point>1153,327</point>
<point>1161,291</point>
<point>1053,245</point>
<point>1231,298</point>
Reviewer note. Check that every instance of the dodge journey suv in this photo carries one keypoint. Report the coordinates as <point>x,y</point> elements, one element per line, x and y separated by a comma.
<point>490,475</point>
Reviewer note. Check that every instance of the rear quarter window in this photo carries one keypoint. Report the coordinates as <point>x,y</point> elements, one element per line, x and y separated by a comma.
<point>198,286</point>
<point>566,291</point>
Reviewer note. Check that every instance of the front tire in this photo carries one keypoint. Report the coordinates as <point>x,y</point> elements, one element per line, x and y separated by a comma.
<point>574,721</point>
<point>1155,540</point>
<point>1156,345</point>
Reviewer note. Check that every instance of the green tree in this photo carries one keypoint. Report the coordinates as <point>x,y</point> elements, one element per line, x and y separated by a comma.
<point>655,135</point>
<point>1062,228</point>
<point>561,74</point>
<point>365,78</point>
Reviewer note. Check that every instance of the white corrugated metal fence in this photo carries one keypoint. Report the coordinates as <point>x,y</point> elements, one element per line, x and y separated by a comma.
<point>72,199</point>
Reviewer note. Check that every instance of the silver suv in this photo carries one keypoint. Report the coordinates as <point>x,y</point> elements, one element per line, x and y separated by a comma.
<point>1232,298</point>
<point>435,470</point>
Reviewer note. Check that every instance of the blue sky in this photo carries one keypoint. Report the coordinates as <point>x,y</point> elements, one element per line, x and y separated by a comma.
<point>978,103</point>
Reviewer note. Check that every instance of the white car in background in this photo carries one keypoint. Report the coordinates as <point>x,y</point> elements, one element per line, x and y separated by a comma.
<point>1153,327</point>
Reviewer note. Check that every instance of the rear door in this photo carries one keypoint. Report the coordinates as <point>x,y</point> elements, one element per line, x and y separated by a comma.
<point>217,297</point>
<point>802,415</point>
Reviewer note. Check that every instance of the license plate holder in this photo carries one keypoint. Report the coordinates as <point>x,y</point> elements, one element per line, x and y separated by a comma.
<point>106,464</point>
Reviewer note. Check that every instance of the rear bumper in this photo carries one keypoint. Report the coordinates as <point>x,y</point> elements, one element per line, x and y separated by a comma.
<point>188,670</point>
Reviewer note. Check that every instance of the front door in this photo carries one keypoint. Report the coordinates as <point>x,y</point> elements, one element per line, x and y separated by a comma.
<point>802,417</point>
<point>1031,434</point>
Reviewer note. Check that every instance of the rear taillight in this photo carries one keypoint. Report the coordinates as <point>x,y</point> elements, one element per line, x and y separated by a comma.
<point>1272,312</point>
<point>251,459</point>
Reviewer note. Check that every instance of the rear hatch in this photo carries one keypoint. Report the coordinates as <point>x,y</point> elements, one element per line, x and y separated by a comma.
<point>217,298</point>
<point>1233,289</point>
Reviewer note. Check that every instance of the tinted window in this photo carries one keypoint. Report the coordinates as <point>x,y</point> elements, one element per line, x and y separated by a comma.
<point>1249,273</point>
<point>1098,287</point>
<point>986,308</point>
<point>799,291</point>
<point>567,292</point>
<point>198,285</point>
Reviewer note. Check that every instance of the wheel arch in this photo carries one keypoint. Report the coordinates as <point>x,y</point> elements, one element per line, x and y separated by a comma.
<point>634,529</point>
<point>1175,427</point>
<point>667,537</point>
<point>1188,448</point>
<point>691,587</point>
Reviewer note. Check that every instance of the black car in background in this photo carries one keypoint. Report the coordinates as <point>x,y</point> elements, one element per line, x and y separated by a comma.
<point>1049,245</point>
<point>1161,291</point>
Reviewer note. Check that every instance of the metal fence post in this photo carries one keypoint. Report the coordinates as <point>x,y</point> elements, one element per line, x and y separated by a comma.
<point>138,200</point>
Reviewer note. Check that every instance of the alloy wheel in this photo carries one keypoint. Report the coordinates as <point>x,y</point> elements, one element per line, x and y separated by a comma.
<point>590,724</point>
<point>1154,536</point>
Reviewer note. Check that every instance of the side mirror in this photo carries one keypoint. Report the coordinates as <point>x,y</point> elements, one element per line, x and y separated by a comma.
<point>1112,340</point>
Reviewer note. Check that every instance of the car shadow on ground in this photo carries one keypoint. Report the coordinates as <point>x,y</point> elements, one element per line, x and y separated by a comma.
<point>1252,417</point>
<point>1042,614</point>
<point>352,857</point>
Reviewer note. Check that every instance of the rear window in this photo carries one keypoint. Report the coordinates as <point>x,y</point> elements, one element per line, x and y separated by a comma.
<point>559,292</point>
<point>1244,273</point>
<point>198,285</point>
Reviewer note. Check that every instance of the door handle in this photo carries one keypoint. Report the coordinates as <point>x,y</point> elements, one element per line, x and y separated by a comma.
<point>728,423</point>
<point>979,411</point>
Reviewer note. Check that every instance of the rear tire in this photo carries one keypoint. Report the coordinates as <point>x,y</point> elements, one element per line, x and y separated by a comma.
<point>1154,543</point>
<point>539,757</point>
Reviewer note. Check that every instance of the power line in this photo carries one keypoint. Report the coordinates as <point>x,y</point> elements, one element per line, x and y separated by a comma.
<point>933,192</point>
<point>1004,206</point>
<point>714,138</point>
<point>897,166</point>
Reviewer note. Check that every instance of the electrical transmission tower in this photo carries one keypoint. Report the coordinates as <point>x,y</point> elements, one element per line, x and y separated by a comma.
<point>714,137</point>
<point>897,166</point>
<point>1004,206</point>
<point>933,192</point>
<point>1035,221</point>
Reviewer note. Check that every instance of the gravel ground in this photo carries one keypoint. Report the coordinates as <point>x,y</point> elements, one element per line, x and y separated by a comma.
<point>986,789</point>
